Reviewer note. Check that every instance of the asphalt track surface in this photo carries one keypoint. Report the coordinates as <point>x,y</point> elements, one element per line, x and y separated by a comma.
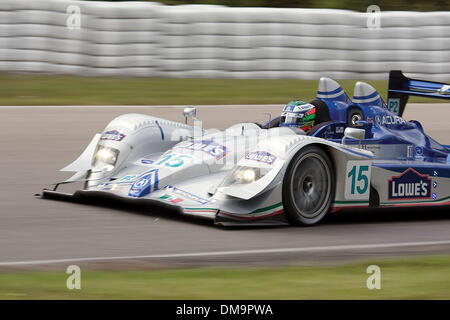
<point>35,142</point>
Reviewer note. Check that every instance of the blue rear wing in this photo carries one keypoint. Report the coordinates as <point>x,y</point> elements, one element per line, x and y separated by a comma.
<point>401,87</point>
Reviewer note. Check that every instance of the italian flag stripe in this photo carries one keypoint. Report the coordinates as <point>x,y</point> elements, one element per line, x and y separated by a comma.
<point>212,210</point>
<point>279,204</point>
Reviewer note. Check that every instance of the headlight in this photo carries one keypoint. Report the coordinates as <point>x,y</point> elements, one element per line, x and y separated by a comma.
<point>244,175</point>
<point>105,159</point>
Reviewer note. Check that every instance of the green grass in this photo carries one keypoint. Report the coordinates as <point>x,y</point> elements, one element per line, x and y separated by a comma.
<point>412,278</point>
<point>69,90</point>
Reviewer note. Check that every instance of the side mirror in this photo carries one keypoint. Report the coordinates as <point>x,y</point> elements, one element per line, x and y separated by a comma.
<point>354,133</point>
<point>189,112</point>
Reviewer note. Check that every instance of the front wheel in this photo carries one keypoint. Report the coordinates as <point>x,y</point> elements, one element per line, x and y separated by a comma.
<point>308,186</point>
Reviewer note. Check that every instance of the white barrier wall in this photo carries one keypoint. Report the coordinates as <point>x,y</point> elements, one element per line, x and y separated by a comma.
<point>150,39</point>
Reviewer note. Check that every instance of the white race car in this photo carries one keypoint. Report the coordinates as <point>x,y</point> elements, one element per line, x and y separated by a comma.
<point>253,174</point>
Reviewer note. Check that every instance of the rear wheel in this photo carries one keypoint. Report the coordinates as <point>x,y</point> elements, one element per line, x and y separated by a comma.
<point>308,186</point>
<point>354,114</point>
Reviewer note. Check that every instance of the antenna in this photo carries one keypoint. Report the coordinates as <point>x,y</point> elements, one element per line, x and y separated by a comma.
<point>270,117</point>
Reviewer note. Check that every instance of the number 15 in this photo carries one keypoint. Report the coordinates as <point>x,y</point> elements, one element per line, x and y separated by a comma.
<point>357,180</point>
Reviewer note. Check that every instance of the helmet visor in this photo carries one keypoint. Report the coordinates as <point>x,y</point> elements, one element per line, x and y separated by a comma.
<point>292,118</point>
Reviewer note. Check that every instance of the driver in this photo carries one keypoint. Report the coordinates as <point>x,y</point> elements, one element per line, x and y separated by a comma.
<point>299,114</point>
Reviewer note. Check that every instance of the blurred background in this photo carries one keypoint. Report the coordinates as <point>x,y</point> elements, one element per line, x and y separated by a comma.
<point>404,5</point>
<point>250,39</point>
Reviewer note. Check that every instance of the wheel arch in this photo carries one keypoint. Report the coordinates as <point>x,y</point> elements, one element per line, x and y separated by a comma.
<point>323,146</point>
<point>292,212</point>
<point>339,157</point>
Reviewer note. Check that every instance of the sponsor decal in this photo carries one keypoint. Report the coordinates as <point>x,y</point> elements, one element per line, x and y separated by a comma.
<point>147,161</point>
<point>113,186</point>
<point>409,151</point>
<point>339,129</point>
<point>378,120</point>
<point>127,178</point>
<point>393,105</point>
<point>357,183</point>
<point>186,194</point>
<point>105,186</point>
<point>144,184</point>
<point>212,148</point>
<point>261,156</point>
<point>444,89</point>
<point>113,135</point>
<point>373,148</point>
<point>173,160</point>
<point>289,107</point>
<point>418,150</point>
<point>328,132</point>
<point>389,120</point>
<point>168,197</point>
<point>409,185</point>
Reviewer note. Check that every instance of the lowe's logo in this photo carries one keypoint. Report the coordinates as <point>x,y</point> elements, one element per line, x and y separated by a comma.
<point>210,147</point>
<point>261,156</point>
<point>409,185</point>
<point>113,135</point>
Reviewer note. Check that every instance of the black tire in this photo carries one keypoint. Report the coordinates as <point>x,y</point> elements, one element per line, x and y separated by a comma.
<point>308,186</point>
<point>354,114</point>
<point>374,198</point>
